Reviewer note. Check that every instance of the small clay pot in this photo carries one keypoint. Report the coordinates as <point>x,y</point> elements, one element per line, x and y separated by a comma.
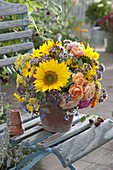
<point>16,127</point>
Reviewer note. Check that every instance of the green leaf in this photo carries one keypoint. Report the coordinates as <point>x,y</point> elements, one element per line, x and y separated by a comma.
<point>80,62</point>
<point>30,8</point>
<point>83,118</point>
<point>38,5</point>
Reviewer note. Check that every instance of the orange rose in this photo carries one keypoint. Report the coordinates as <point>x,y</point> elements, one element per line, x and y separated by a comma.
<point>89,91</point>
<point>78,79</point>
<point>76,92</point>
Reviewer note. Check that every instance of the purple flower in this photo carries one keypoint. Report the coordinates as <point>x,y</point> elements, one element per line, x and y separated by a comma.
<point>42,116</point>
<point>84,104</point>
<point>101,67</point>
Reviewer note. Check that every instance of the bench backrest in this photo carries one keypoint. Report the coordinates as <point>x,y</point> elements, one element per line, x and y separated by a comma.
<point>13,29</point>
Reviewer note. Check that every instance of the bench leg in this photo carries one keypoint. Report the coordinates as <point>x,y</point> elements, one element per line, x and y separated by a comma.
<point>72,167</point>
<point>38,156</point>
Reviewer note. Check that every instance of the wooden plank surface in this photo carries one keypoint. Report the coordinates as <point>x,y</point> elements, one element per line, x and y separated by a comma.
<point>58,137</point>
<point>84,143</point>
<point>15,35</point>
<point>16,48</point>
<point>31,126</point>
<point>40,136</point>
<point>26,134</point>
<point>14,24</point>
<point>31,123</point>
<point>7,8</point>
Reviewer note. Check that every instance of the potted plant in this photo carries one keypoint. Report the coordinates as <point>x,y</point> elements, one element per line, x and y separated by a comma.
<point>94,12</point>
<point>106,23</point>
<point>58,78</point>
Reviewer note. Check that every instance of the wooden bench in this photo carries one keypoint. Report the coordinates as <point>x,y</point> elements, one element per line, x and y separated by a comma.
<point>68,146</point>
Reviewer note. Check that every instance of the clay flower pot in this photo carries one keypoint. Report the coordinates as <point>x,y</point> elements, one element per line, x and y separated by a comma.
<point>53,118</point>
<point>16,127</point>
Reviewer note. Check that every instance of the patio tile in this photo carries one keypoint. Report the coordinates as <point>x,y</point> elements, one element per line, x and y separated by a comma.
<point>106,161</point>
<point>95,155</point>
<point>97,167</point>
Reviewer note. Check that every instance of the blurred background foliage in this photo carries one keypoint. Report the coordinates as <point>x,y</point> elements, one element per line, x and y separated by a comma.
<point>52,19</point>
<point>97,10</point>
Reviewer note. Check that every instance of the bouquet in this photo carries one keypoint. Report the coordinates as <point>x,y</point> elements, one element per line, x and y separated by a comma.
<point>66,73</point>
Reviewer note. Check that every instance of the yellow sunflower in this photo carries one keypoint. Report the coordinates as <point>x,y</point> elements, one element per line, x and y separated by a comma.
<point>51,75</point>
<point>90,53</point>
<point>44,49</point>
<point>28,71</point>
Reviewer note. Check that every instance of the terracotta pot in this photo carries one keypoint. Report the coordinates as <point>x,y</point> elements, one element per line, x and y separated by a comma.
<point>16,127</point>
<point>53,118</point>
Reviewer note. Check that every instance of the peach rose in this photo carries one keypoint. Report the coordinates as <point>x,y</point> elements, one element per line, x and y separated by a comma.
<point>75,49</point>
<point>68,105</point>
<point>73,44</point>
<point>78,79</point>
<point>89,91</point>
<point>76,92</point>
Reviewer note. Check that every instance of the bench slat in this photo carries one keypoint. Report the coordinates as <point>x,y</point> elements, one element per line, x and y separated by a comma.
<point>85,142</point>
<point>14,24</point>
<point>16,48</point>
<point>31,123</point>
<point>36,138</point>
<point>26,117</point>
<point>7,8</point>
<point>31,127</point>
<point>26,134</point>
<point>15,35</point>
<point>8,61</point>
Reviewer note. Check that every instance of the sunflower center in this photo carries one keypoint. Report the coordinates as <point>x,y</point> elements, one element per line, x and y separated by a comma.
<point>50,78</point>
<point>29,69</point>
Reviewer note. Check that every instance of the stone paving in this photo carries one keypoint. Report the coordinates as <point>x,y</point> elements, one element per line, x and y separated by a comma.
<point>101,158</point>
